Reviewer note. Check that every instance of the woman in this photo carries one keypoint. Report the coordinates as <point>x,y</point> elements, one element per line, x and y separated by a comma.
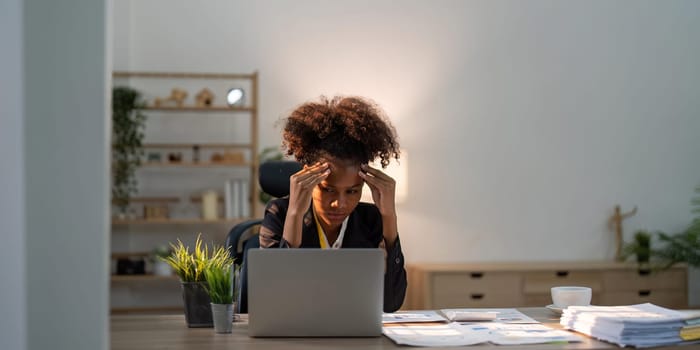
<point>335,140</point>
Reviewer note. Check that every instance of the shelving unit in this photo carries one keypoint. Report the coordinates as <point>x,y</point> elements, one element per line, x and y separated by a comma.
<point>222,147</point>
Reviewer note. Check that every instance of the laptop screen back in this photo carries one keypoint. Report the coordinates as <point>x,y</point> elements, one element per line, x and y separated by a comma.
<point>315,292</point>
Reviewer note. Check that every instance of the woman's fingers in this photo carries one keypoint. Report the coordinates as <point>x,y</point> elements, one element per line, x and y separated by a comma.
<point>376,178</point>
<point>310,172</point>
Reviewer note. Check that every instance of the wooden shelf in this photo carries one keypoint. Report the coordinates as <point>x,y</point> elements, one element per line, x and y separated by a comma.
<point>193,165</point>
<point>200,145</point>
<point>129,255</point>
<point>200,109</point>
<point>146,310</point>
<point>142,278</point>
<point>153,200</point>
<point>123,74</point>
<point>176,221</point>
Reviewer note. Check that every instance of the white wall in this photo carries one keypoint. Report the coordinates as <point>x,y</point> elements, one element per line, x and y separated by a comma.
<point>526,121</point>
<point>13,303</point>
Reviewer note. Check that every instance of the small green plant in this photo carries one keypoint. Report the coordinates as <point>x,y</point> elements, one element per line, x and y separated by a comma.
<point>161,252</point>
<point>191,266</point>
<point>640,247</point>
<point>127,135</point>
<point>219,286</point>
<point>683,247</point>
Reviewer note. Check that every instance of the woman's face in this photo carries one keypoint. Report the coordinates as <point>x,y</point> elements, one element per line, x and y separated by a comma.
<point>337,196</point>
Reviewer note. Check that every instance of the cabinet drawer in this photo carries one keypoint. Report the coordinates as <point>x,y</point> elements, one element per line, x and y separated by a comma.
<point>476,289</point>
<point>468,300</point>
<point>665,298</point>
<point>632,280</point>
<point>541,282</point>
<point>475,282</point>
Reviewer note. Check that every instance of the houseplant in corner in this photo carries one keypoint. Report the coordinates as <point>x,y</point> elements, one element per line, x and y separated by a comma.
<point>641,248</point>
<point>220,291</point>
<point>127,149</point>
<point>191,267</point>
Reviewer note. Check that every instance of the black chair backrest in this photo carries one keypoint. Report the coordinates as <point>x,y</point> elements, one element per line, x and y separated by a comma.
<point>274,180</point>
<point>274,176</point>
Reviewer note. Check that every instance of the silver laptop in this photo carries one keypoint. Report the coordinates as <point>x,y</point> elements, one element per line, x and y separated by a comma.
<point>315,292</point>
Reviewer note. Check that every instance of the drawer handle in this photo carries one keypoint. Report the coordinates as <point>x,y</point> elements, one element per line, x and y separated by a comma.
<point>562,273</point>
<point>644,271</point>
<point>644,293</point>
<point>477,296</point>
<point>477,274</point>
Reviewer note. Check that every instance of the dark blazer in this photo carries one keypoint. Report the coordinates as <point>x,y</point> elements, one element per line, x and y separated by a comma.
<point>364,230</point>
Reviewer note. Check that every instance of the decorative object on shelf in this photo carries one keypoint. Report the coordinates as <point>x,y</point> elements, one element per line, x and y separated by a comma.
<point>191,267</point>
<point>131,266</point>
<point>128,123</point>
<point>153,157</point>
<point>210,205</point>
<point>232,157</point>
<point>234,97</point>
<point>268,154</point>
<point>177,96</point>
<point>216,157</point>
<point>615,223</point>
<point>204,98</point>
<point>160,267</point>
<point>175,157</point>
<point>220,289</point>
<point>195,153</point>
<point>236,199</point>
<point>155,212</point>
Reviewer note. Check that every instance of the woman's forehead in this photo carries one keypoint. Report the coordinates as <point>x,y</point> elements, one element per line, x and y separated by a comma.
<point>343,174</point>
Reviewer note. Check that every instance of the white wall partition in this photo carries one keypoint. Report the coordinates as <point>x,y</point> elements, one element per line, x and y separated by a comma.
<point>66,173</point>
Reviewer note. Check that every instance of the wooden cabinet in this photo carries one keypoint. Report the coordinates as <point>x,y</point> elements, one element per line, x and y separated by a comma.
<point>435,286</point>
<point>195,143</point>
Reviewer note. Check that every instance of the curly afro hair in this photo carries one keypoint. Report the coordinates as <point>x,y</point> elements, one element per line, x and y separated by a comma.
<point>349,128</point>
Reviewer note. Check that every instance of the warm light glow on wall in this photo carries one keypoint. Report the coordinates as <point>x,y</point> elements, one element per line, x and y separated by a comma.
<point>399,172</point>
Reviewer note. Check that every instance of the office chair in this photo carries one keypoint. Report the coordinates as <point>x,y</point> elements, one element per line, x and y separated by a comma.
<point>274,180</point>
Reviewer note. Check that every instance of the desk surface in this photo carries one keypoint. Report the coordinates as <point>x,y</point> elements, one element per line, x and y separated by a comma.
<point>171,332</point>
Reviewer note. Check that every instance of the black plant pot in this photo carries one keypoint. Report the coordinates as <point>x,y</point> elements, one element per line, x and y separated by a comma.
<point>197,305</point>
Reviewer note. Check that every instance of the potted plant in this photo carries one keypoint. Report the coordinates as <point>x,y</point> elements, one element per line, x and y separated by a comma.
<point>682,247</point>
<point>127,135</point>
<point>191,267</point>
<point>220,289</point>
<point>641,249</point>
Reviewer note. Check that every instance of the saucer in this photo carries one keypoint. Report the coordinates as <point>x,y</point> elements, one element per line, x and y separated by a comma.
<point>556,310</point>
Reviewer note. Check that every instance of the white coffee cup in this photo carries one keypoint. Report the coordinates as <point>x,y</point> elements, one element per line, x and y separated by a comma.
<point>565,296</point>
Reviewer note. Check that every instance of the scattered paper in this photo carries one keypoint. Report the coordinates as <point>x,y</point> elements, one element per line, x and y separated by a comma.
<point>445,334</point>
<point>517,334</point>
<point>502,315</point>
<point>413,316</point>
<point>465,316</point>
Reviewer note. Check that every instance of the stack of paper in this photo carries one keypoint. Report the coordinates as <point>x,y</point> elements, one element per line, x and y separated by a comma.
<point>497,326</point>
<point>642,325</point>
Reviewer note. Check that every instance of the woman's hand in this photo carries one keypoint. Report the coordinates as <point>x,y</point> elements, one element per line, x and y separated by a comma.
<point>301,186</point>
<point>383,189</point>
